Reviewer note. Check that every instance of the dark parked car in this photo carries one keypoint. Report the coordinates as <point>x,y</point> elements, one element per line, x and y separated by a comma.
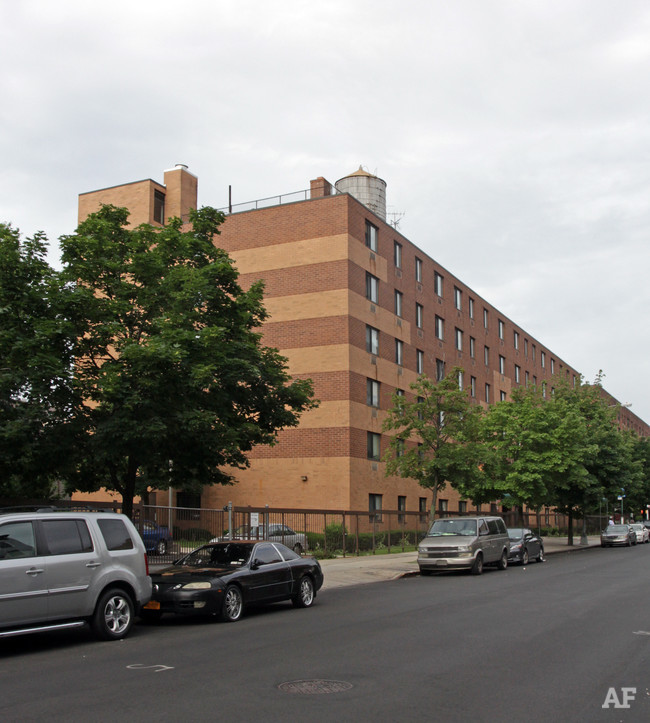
<point>525,545</point>
<point>617,535</point>
<point>221,578</point>
<point>157,538</point>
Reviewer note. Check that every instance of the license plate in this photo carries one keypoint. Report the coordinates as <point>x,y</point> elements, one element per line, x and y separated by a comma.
<point>152,605</point>
<point>441,563</point>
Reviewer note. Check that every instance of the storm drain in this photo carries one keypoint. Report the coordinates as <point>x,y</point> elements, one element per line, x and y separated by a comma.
<point>314,687</point>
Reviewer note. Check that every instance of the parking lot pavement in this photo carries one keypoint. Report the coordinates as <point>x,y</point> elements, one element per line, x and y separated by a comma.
<point>342,571</point>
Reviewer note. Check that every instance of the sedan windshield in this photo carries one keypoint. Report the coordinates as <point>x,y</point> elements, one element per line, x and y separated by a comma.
<point>453,527</point>
<point>515,533</point>
<point>220,554</point>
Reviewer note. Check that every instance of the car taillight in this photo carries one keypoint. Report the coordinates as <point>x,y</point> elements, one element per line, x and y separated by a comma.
<point>146,563</point>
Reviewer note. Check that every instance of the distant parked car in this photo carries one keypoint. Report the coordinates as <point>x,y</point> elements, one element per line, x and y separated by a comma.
<point>157,538</point>
<point>221,578</point>
<point>617,535</point>
<point>525,545</point>
<point>641,531</point>
<point>297,541</point>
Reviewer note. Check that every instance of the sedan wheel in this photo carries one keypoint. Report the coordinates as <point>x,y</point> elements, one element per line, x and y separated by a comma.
<point>297,548</point>
<point>540,557</point>
<point>161,547</point>
<point>524,557</point>
<point>233,604</point>
<point>306,593</point>
<point>477,567</point>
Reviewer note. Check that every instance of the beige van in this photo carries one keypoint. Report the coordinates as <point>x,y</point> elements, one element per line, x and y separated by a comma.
<point>464,543</point>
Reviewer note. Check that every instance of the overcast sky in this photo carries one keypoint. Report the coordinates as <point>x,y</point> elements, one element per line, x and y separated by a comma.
<point>514,135</point>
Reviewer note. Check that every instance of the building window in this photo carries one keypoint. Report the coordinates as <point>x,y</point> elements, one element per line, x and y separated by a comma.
<point>440,370</point>
<point>374,445</point>
<point>502,396</point>
<point>419,361</point>
<point>401,508</point>
<point>526,348</point>
<point>372,288</point>
<point>470,304</point>
<point>440,327</point>
<point>459,339</point>
<point>534,380</point>
<point>437,281</point>
<point>526,378</point>
<point>461,379</point>
<point>516,339</point>
<point>542,359</point>
<point>502,364</point>
<point>190,504</point>
<point>374,507</point>
<point>422,508</point>
<point>487,393</point>
<point>544,390</point>
<point>462,507</point>
<point>419,315</point>
<point>398,303</point>
<point>486,355</point>
<point>372,392</point>
<point>371,236</point>
<point>420,403</point>
<point>372,340</point>
<point>501,329</point>
<point>472,347</point>
<point>418,270</point>
<point>517,373</point>
<point>397,254</point>
<point>534,351</point>
<point>485,318</point>
<point>399,352</point>
<point>458,298</point>
<point>443,506</point>
<point>158,207</point>
<point>472,386</point>
<point>552,366</point>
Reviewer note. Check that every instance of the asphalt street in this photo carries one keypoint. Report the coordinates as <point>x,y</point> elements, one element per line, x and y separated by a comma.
<point>545,642</point>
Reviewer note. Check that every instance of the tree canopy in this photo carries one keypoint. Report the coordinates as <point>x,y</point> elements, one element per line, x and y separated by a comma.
<point>435,435</point>
<point>35,368</point>
<point>155,350</point>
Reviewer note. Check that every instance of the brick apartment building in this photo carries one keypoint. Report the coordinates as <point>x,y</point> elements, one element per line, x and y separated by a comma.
<point>361,310</point>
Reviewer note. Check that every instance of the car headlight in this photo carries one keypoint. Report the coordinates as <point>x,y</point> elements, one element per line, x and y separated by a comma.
<point>422,550</point>
<point>197,586</point>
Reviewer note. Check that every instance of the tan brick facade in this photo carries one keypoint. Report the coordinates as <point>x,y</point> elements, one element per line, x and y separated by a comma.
<point>313,258</point>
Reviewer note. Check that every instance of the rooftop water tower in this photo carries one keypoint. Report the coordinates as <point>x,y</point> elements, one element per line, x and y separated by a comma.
<point>367,189</point>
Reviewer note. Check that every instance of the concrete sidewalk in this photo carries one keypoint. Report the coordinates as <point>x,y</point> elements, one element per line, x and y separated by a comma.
<point>352,570</point>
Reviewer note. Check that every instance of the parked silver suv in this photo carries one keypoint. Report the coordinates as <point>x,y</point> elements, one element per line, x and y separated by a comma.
<point>464,543</point>
<point>65,569</point>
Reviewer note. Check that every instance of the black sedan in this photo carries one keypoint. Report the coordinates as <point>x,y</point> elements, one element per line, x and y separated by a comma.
<point>221,578</point>
<point>525,545</point>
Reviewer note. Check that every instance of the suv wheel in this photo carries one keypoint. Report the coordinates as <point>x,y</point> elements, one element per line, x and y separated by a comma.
<point>477,567</point>
<point>113,615</point>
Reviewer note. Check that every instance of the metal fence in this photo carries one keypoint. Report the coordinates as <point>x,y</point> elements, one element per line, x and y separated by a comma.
<point>318,532</point>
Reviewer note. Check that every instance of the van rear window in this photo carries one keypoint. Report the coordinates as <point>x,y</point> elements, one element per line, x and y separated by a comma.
<point>115,534</point>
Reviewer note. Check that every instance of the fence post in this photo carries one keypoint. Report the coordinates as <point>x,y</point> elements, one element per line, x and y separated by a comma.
<point>345,540</point>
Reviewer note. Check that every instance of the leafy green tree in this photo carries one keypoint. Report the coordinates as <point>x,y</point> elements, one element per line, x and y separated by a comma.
<point>35,369</point>
<point>176,383</point>
<point>532,445</point>
<point>607,461</point>
<point>435,435</point>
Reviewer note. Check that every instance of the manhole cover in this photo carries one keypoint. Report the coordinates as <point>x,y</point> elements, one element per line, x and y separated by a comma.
<point>314,687</point>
